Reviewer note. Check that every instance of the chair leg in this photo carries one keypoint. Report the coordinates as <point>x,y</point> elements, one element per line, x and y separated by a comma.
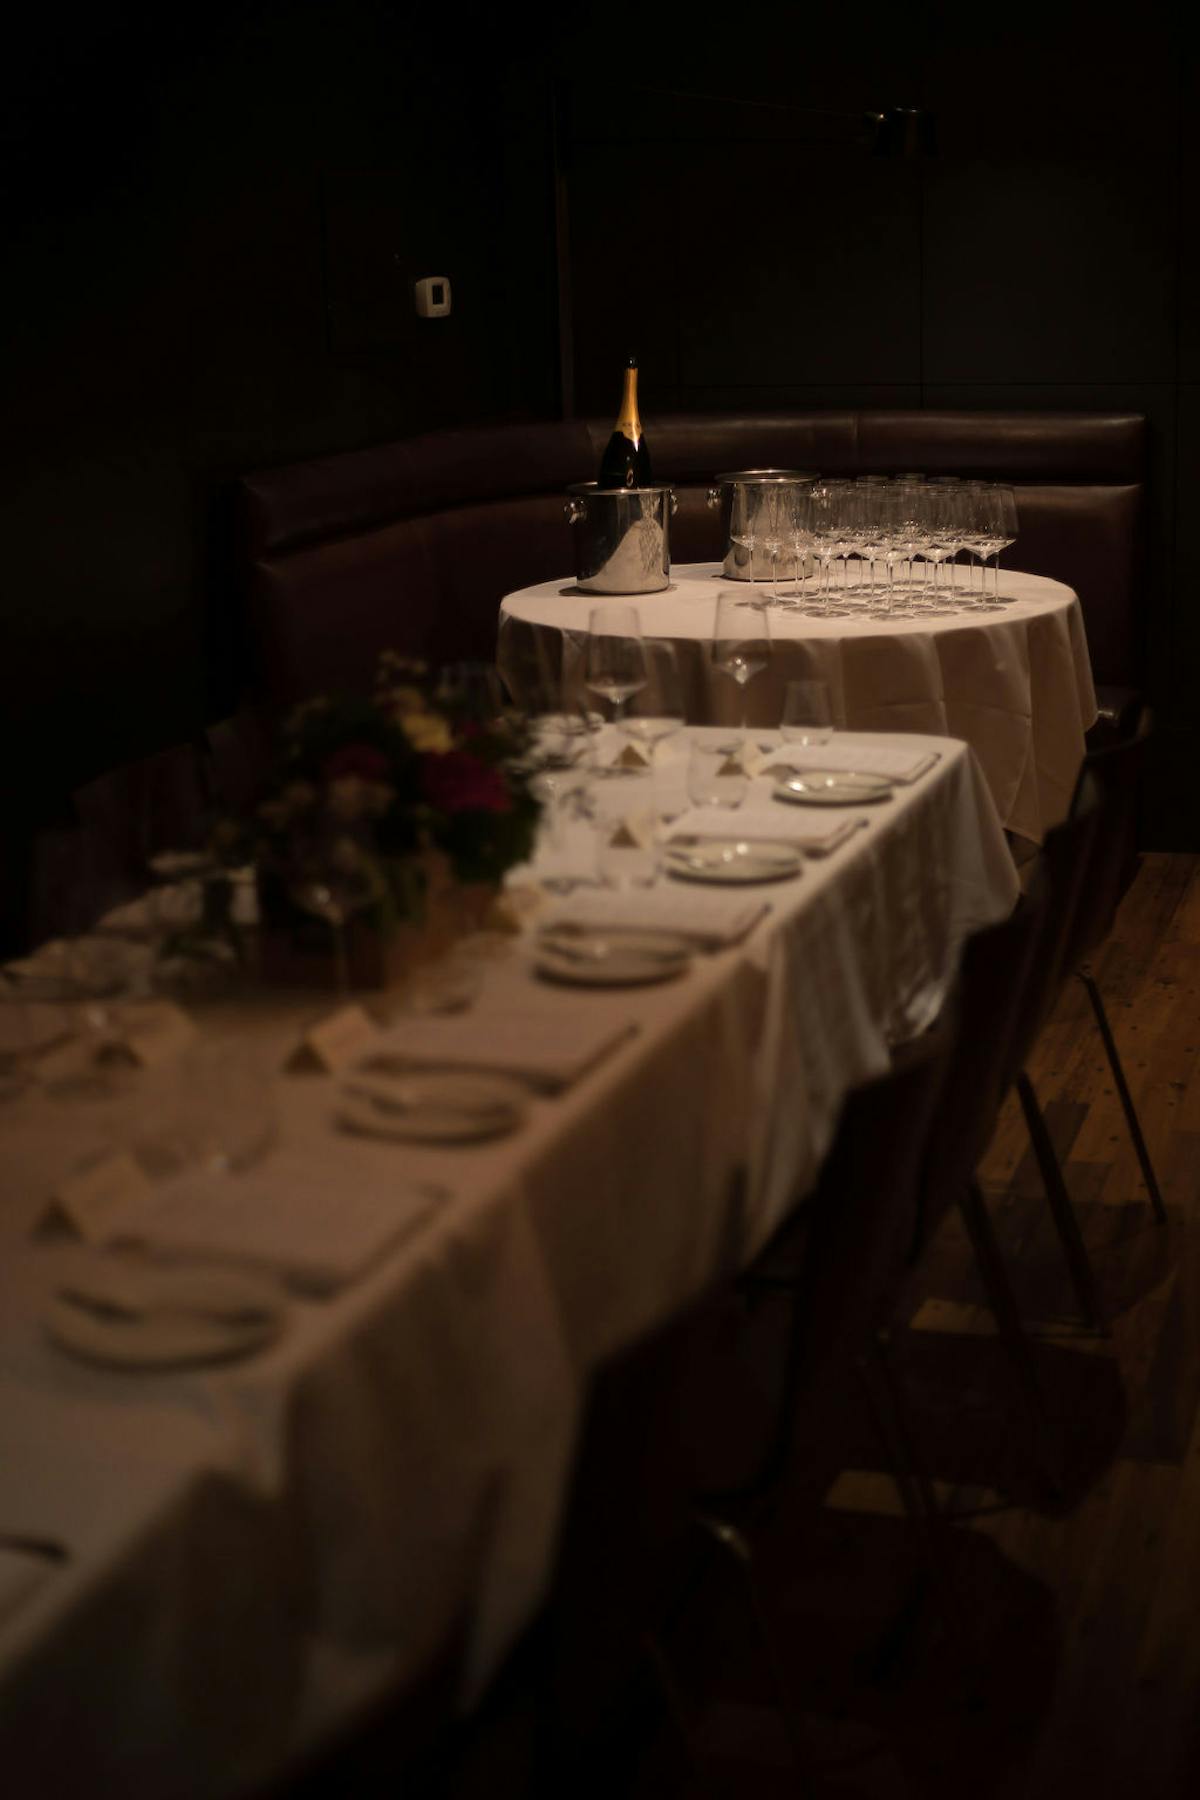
<point>893,1423</point>
<point>1003,1307</point>
<point>736,1546</point>
<point>677,1712</point>
<point>1123,1094</point>
<point>1078,1262</point>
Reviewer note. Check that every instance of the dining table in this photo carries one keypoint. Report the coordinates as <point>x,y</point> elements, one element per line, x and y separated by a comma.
<point>210,1565</point>
<point>1013,681</point>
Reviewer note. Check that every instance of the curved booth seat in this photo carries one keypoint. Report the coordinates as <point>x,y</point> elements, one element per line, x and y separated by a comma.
<point>411,545</point>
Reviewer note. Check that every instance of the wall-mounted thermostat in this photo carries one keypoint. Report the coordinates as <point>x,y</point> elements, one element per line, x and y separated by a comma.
<point>432,296</point>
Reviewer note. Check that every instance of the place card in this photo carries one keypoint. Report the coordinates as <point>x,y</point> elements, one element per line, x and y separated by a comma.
<point>333,1042</point>
<point>94,1201</point>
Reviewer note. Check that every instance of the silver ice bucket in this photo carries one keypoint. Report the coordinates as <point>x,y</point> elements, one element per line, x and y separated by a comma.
<point>622,537</point>
<point>754,505</point>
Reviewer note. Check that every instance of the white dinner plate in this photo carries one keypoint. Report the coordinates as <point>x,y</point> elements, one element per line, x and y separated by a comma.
<point>832,787</point>
<point>731,860</point>
<point>167,1318</point>
<point>432,1106</point>
<point>611,959</point>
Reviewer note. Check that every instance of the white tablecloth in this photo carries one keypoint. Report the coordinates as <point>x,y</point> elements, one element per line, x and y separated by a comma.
<point>254,1549</point>
<point>1016,685</point>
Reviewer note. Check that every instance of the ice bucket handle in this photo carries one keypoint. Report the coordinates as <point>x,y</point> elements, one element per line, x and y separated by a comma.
<point>713,497</point>
<point>574,509</point>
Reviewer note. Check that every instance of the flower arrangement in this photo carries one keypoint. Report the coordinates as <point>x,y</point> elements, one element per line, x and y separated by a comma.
<point>388,784</point>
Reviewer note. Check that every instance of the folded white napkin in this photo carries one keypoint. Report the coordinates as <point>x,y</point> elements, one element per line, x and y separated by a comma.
<point>547,1050</point>
<point>711,921</point>
<point>771,820</point>
<point>859,753</point>
<point>316,1226</point>
<point>21,1575</point>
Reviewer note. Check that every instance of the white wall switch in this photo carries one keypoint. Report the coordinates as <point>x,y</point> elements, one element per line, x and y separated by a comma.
<point>432,296</point>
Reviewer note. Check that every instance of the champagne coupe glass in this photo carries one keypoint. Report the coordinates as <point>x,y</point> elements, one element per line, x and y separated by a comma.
<point>616,655</point>
<point>332,874</point>
<point>655,713</point>
<point>741,643</point>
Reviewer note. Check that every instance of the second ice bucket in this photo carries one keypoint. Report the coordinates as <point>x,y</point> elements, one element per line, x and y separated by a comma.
<point>754,514</point>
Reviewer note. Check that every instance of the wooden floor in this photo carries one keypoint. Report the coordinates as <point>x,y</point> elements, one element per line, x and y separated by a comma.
<point>1085,1613</point>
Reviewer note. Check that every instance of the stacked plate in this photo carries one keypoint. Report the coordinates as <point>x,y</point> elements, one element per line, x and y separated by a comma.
<point>436,1106</point>
<point>832,787</point>
<point>731,860</point>
<point>618,958</point>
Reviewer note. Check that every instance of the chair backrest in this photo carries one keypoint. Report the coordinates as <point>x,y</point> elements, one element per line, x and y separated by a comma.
<point>993,977</point>
<point>1113,771</point>
<point>412,545</point>
<point>1065,862</point>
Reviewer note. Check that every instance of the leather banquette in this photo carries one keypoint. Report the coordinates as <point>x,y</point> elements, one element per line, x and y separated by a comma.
<point>411,545</point>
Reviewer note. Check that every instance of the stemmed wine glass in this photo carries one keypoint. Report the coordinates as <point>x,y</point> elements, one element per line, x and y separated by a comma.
<point>332,874</point>
<point>800,536</point>
<point>616,655</point>
<point>997,520</point>
<point>827,533</point>
<point>655,712</point>
<point>741,643</point>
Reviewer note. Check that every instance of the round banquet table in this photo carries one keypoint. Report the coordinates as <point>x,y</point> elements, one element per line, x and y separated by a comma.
<point>1015,684</point>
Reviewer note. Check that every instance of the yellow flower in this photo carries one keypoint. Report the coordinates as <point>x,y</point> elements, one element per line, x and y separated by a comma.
<point>426,731</point>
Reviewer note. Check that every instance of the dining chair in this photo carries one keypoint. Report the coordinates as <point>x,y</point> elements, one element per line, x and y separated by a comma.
<point>666,1488</point>
<point>1115,769</point>
<point>996,968</point>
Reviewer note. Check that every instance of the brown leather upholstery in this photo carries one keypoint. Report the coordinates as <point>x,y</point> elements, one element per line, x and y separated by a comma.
<point>413,544</point>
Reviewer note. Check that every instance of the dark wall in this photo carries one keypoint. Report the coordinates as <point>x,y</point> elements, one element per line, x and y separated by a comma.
<point>729,224</point>
<point>215,214</point>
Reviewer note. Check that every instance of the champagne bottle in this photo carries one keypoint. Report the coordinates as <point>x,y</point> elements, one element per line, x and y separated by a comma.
<point>626,460</point>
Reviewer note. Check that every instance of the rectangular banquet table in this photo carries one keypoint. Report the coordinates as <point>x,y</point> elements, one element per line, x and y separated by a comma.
<point>255,1550</point>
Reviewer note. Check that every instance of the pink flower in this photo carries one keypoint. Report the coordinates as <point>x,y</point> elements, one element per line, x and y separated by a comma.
<point>357,759</point>
<point>455,781</point>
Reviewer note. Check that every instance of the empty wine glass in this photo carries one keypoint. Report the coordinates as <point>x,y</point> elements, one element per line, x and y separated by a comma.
<point>806,718</point>
<point>826,534</point>
<point>655,712</point>
<point>998,533</point>
<point>561,758</point>
<point>616,655</point>
<point>800,537</point>
<point>716,775</point>
<point>775,530</point>
<point>741,644</point>
<point>332,874</point>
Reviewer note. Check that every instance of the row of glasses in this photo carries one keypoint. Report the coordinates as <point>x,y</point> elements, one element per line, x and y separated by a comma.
<point>911,528</point>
